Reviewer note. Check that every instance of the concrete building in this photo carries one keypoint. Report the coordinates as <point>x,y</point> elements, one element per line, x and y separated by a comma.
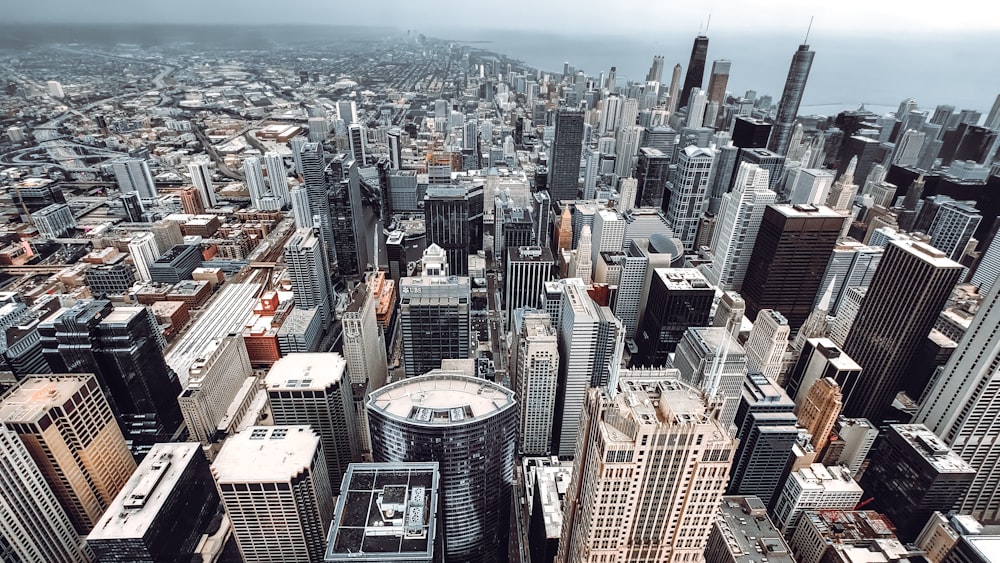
<point>274,485</point>
<point>819,412</point>
<point>144,251</point>
<point>53,221</point>
<point>528,268</point>
<point>816,487</point>
<point>713,361</point>
<point>132,175</point>
<point>849,536</point>
<point>163,510</point>
<point>534,369</point>
<point>659,511</point>
<point>743,533</point>
<point>767,342</point>
<point>434,318</point>
<point>679,298</point>
<point>851,264</point>
<point>309,271</point>
<point>213,381</point>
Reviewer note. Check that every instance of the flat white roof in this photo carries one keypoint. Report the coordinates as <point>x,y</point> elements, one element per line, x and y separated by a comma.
<point>306,371</point>
<point>265,454</point>
<point>441,397</point>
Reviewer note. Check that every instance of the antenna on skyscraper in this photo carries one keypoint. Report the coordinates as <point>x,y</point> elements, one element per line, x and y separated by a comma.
<point>808,29</point>
<point>709,22</point>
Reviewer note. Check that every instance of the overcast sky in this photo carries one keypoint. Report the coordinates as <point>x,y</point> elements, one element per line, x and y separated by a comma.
<point>567,16</point>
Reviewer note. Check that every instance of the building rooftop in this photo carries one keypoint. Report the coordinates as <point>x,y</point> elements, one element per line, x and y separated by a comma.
<point>932,449</point>
<point>987,546</point>
<point>306,371</point>
<point>552,481</point>
<point>807,210</point>
<point>35,396</point>
<point>136,507</point>
<point>441,397</point>
<point>829,479</point>
<point>749,533</point>
<point>834,355</point>
<point>927,253</point>
<point>682,278</point>
<point>385,511</point>
<point>265,454</point>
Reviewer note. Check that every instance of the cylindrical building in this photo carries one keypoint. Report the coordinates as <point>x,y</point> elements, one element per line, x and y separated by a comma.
<point>467,425</point>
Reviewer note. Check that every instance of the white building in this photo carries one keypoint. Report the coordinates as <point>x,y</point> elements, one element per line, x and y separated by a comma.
<point>214,379</point>
<point>816,487</point>
<point>144,251</point>
<point>133,175</point>
<point>534,367</point>
<point>766,345</point>
<point>201,178</point>
<point>53,221</point>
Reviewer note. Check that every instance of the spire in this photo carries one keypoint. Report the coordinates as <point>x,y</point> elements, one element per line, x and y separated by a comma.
<point>824,302</point>
<point>849,171</point>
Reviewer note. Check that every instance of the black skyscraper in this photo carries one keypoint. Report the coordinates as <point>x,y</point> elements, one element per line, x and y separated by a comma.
<point>344,199</point>
<point>564,158</point>
<point>696,68</point>
<point>791,97</point>
<point>750,133</point>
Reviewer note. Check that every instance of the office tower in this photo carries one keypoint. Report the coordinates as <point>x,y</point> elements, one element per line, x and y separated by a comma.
<point>957,407</point>
<point>201,177</point>
<point>314,177</point>
<point>395,148</point>
<point>627,150</point>
<point>841,536</point>
<point>987,270</point>
<point>591,344</point>
<point>954,224</point>
<point>909,290</point>
<point>434,321</point>
<point>937,479</point>
<point>274,485</point>
<point>751,133</point>
<point>310,273</point>
<point>319,129</point>
<point>630,288</point>
<point>789,257</point>
<point>53,221</point>
<point>608,234</point>
<point>356,136</point>
<point>850,443</point>
<point>652,171</point>
<point>907,148</point>
<point>214,379</point>
<point>865,150</point>
<point>528,268</point>
<point>843,191</point>
<point>469,426</point>
<point>740,527</point>
<point>659,510</point>
<point>713,361</point>
<point>277,176</point>
<point>175,264</point>
<point>592,165</point>
<point>167,234</point>
<point>851,264</point>
<point>611,110</point>
<point>55,89</point>
<point>399,500</point>
<point>816,487</point>
<point>132,175</point>
<point>581,266</point>
<point>191,202</point>
<point>347,110</point>
<point>163,510</point>
<point>718,81</point>
<point>541,212</point>
<point>68,428</point>
<point>110,279</point>
<point>314,389</point>
<point>770,161</point>
<point>296,143</point>
<point>696,68</point>
<point>674,91</point>
<point>686,196</point>
<point>534,367</point>
<point>766,430</point>
<point>564,158</point>
<point>729,313</point>
<point>820,410</point>
<point>655,73</point>
<point>299,200</point>
<point>132,205</point>
<point>123,348</point>
<point>32,521</point>
<point>810,186</point>
<point>453,217</point>
<point>840,326</point>
<point>697,105</point>
<point>679,298</point>
<point>791,97</point>
<point>766,344</point>
<point>820,359</point>
<point>364,342</point>
<point>735,233</point>
<point>350,242</point>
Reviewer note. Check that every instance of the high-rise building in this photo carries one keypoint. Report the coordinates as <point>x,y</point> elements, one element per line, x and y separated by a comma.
<point>53,221</point>
<point>631,283</point>
<point>751,133</point>
<point>313,163</point>
<point>564,158</point>
<point>958,407</point>
<point>842,535</point>
<point>741,526</point>
<point>453,217</point>
<point>314,389</point>
<point>852,264</point>
<point>143,251</point>
<point>816,487</point>
<point>400,500</point>
<point>434,318</point>
<point>123,347</point>
<point>773,162</point>
<point>766,343</point>
<point>528,268</point>
<point>936,478</point>
<point>608,233</point>
<point>626,501</point>
<point>735,233</point>
<point>679,298</point>
<point>652,171</point>
<point>534,369</point>
<point>350,243</point>
<point>201,177</point>
<point>953,225</point>
<point>359,142</point>
<point>32,522</point>
<point>695,75</point>
<point>364,341</point>
<point>789,257</point>
<point>273,483</point>
<point>718,81</point>
<point>163,510</point>
<point>655,73</point>
<point>729,313</point>
<point>766,430</point>
<point>132,175</point>
<point>908,292</point>
<point>591,344</point>
<point>685,198</point>
<point>309,271</point>
<point>627,150</point>
<point>713,361</point>
<point>214,380</point>
<point>820,358</point>
<point>820,410</point>
<point>791,97</point>
<point>68,428</point>
<point>469,426</point>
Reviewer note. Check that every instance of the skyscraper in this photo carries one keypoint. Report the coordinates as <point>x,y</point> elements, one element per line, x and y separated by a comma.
<point>528,268</point>
<point>314,177</point>
<point>364,342</point>
<point>713,361</point>
<point>469,426</point>
<point>67,426</point>
<point>350,242</point>
<point>718,81</point>
<point>309,271</point>
<point>791,97</point>
<point>909,290</point>
<point>434,319</point>
<point>696,68</point>
<point>736,231</point>
<point>766,344</point>
<point>674,91</point>
<point>685,198</point>
<point>626,501</point>
<point>679,298</point>
<point>564,158</point>
<point>213,381</point>
<point>32,521</point>
<point>820,410</point>
<point>359,142</point>
<point>953,225</point>
<point>132,175</point>
<point>958,407</point>
<point>453,217</point>
<point>144,251</point>
<point>201,177</point>
<point>652,170</point>
<point>655,73</point>
<point>314,389</point>
<point>534,367</point>
<point>791,252</point>
<point>273,483</point>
